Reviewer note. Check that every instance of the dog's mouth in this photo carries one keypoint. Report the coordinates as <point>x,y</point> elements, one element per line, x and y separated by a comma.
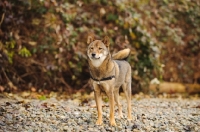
<point>95,58</point>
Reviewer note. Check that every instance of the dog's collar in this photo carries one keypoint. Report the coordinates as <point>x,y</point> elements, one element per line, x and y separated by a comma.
<point>103,79</point>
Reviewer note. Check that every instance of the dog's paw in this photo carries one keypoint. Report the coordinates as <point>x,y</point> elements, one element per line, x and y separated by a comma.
<point>129,117</point>
<point>99,122</point>
<point>120,116</point>
<point>112,123</point>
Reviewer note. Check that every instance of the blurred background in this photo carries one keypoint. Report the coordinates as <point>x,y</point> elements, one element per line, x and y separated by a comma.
<point>43,43</point>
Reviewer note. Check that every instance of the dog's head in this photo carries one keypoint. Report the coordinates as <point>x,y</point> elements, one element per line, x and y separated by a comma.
<point>98,50</point>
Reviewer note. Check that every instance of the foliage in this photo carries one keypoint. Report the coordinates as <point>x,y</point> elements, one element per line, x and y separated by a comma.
<point>45,40</point>
<point>175,24</point>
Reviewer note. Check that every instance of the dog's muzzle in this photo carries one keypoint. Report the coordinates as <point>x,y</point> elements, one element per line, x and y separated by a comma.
<point>93,56</point>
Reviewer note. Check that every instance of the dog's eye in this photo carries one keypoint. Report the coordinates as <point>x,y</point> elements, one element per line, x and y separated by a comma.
<point>91,48</point>
<point>100,48</point>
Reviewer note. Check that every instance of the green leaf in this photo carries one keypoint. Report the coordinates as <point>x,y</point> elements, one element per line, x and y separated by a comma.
<point>112,17</point>
<point>42,97</point>
<point>24,52</point>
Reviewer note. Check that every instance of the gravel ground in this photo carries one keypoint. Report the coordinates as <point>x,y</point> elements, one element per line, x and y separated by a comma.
<point>52,115</point>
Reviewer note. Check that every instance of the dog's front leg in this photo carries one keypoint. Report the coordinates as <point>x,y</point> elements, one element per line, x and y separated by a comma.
<point>98,99</point>
<point>112,110</point>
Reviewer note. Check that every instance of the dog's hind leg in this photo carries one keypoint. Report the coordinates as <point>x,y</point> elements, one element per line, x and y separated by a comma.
<point>116,96</point>
<point>127,90</point>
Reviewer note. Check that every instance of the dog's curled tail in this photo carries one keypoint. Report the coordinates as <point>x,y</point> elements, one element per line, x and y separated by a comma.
<point>121,55</point>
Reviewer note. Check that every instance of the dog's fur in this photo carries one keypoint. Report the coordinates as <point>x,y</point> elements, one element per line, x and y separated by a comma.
<point>108,74</point>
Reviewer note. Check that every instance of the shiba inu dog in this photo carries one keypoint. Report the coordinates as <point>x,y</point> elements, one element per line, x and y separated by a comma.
<point>108,73</point>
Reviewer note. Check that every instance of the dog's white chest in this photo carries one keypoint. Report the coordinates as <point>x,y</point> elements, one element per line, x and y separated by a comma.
<point>98,62</point>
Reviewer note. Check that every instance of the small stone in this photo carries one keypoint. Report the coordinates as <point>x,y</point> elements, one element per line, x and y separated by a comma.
<point>65,128</point>
<point>129,127</point>
<point>118,128</point>
<point>91,129</point>
<point>76,129</point>
<point>2,123</point>
<point>30,130</point>
<point>151,123</point>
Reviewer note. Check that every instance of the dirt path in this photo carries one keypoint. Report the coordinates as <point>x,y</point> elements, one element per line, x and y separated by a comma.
<point>52,115</point>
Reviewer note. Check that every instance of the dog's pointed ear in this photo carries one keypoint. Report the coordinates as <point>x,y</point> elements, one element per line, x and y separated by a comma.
<point>106,41</point>
<point>90,39</point>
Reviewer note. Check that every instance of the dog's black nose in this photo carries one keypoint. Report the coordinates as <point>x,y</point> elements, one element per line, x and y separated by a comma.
<point>93,55</point>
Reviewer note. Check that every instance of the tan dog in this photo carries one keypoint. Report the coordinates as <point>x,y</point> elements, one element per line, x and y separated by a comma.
<point>108,75</point>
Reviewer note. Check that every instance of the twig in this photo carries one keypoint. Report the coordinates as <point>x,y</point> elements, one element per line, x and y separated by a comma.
<point>2,19</point>
<point>84,86</point>
<point>10,84</point>
<point>5,75</point>
<point>65,83</point>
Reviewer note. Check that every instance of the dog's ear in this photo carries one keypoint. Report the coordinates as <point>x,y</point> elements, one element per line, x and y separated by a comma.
<point>106,41</point>
<point>90,39</point>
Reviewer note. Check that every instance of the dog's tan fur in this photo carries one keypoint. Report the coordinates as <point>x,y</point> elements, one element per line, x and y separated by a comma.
<point>121,55</point>
<point>102,65</point>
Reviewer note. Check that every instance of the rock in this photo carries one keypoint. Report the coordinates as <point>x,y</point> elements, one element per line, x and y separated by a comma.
<point>30,130</point>
<point>65,128</point>
<point>151,123</point>
<point>2,123</point>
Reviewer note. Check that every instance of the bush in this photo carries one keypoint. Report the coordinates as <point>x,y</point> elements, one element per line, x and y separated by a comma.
<point>45,41</point>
